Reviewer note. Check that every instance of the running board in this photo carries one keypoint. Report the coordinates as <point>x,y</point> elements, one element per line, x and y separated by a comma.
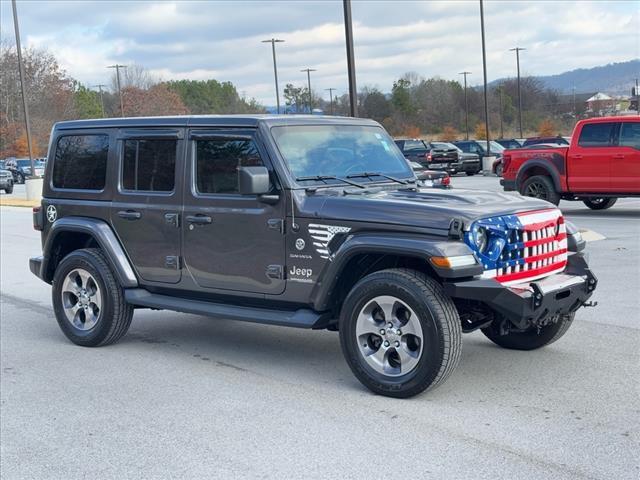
<point>302,318</point>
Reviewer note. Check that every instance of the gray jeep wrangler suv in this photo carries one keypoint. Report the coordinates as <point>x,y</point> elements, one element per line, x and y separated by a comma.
<point>301,221</point>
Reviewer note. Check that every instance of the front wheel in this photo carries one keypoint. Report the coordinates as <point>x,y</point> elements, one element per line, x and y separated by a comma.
<point>9,189</point>
<point>533,338</point>
<point>400,333</point>
<point>600,203</point>
<point>20,180</point>
<point>540,186</point>
<point>470,174</point>
<point>88,301</point>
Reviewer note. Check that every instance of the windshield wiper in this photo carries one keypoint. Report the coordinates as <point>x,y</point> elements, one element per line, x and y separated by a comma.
<point>378,174</point>
<point>324,178</point>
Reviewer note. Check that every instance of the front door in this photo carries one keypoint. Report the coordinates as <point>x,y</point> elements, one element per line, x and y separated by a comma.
<point>231,242</point>
<point>589,160</point>
<point>145,213</point>
<point>625,160</point>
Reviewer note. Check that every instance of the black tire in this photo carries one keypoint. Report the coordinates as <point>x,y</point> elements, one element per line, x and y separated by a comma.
<point>470,174</point>
<point>20,180</point>
<point>499,170</point>
<point>540,186</point>
<point>600,203</point>
<point>9,189</point>
<point>533,338</point>
<point>115,315</point>
<point>438,319</point>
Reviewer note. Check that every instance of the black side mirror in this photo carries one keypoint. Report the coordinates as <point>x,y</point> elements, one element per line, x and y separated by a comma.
<point>253,180</point>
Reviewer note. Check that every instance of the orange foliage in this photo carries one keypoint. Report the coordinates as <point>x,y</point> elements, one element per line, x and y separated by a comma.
<point>411,131</point>
<point>481,131</point>
<point>546,128</point>
<point>448,134</point>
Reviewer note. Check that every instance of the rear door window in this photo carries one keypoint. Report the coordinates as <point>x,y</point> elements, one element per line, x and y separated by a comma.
<point>597,135</point>
<point>80,162</point>
<point>149,165</point>
<point>630,135</point>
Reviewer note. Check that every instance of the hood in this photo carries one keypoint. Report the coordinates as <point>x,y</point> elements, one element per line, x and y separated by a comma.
<point>426,207</point>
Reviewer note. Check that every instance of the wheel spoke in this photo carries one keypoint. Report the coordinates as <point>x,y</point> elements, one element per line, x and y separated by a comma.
<point>379,358</point>
<point>69,285</point>
<point>408,359</point>
<point>84,278</point>
<point>81,299</point>
<point>366,324</point>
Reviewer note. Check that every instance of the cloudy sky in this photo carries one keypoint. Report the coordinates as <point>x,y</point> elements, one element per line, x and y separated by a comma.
<point>221,40</point>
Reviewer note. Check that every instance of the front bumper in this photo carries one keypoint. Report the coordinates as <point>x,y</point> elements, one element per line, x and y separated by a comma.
<point>531,304</point>
<point>35,265</point>
<point>508,185</point>
<point>6,182</point>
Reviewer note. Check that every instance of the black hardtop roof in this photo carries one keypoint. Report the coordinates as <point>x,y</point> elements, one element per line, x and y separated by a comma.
<point>212,121</point>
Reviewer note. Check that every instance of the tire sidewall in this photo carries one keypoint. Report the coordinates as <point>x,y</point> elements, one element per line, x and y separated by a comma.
<point>95,335</point>
<point>433,345</point>
<point>552,195</point>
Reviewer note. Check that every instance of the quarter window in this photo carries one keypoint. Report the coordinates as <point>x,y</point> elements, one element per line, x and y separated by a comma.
<point>81,162</point>
<point>630,135</point>
<point>149,165</point>
<point>217,162</point>
<point>596,135</point>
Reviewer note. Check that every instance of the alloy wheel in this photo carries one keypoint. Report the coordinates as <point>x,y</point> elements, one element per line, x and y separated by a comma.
<point>81,299</point>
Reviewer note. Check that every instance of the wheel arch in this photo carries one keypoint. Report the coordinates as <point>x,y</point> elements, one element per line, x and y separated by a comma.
<point>535,167</point>
<point>363,254</point>
<point>72,233</point>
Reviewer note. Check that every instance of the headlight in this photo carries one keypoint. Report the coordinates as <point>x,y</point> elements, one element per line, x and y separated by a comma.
<point>481,239</point>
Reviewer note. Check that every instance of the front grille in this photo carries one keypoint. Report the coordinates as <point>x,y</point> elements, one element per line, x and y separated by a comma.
<point>523,247</point>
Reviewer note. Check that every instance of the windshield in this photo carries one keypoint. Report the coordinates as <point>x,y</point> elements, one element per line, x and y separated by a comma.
<point>495,146</point>
<point>339,151</point>
<point>27,163</point>
<point>444,146</point>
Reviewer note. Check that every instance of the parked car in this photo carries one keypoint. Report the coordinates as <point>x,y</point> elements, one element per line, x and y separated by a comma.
<point>536,140</point>
<point>479,147</point>
<point>6,180</point>
<point>303,221</point>
<point>427,154</point>
<point>508,143</point>
<point>431,178</point>
<point>601,164</point>
<point>468,163</point>
<point>21,168</point>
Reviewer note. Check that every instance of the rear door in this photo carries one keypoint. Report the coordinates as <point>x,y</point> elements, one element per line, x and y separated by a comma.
<point>232,242</point>
<point>145,212</point>
<point>625,159</point>
<point>589,158</point>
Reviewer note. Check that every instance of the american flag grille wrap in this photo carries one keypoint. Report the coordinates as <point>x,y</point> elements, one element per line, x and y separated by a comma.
<point>521,247</point>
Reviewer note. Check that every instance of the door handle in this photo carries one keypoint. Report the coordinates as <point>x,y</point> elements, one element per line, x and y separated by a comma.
<point>619,156</point>
<point>199,219</point>
<point>129,214</point>
<point>577,156</point>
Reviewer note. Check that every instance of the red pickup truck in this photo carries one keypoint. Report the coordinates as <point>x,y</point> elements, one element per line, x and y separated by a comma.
<point>601,164</point>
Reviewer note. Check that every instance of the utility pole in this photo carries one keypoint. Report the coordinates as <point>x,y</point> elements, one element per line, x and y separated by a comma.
<point>574,101</point>
<point>330,99</point>
<point>27,123</point>
<point>309,70</point>
<point>500,103</point>
<point>99,87</point>
<point>273,42</point>
<point>351,65</point>
<point>484,70</point>
<point>466,105</point>
<point>118,67</point>
<point>518,50</point>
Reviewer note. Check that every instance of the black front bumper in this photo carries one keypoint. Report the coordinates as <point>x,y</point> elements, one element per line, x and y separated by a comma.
<point>508,185</point>
<point>557,294</point>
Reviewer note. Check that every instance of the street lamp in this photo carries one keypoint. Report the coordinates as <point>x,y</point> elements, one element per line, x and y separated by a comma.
<point>484,71</point>
<point>466,105</point>
<point>273,42</point>
<point>518,50</point>
<point>309,70</point>
<point>330,99</point>
<point>118,67</point>
<point>351,64</point>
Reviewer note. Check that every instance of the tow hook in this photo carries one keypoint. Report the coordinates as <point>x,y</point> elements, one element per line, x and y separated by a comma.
<point>590,304</point>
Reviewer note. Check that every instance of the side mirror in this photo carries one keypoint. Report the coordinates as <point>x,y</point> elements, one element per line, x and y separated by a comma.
<point>253,180</point>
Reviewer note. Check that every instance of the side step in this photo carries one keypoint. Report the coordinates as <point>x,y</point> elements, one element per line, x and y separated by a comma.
<point>302,318</point>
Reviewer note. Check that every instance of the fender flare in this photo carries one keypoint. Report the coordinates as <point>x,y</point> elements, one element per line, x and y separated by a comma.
<point>544,164</point>
<point>106,239</point>
<point>407,245</point>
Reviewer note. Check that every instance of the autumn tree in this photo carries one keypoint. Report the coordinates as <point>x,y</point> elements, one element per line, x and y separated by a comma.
<point>157,100</point>
<point>546,128</point>
<point>448,134</point>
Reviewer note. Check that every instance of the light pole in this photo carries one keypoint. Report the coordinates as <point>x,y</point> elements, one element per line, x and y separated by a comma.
<point>22,88</point>
<point>330,99</point>
<point>466,105</point>
<point>518,50</point>
<point>351,65</point>
<point>500,104</point>
<point>99,87</point>
<point>309,70</point>
<point>273,42</point>
<point>484,71</point>
<point>118,67</point>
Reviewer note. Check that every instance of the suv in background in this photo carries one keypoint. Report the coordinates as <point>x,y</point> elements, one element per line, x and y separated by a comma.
<point>429,155</point>
<point>301,221</point>
<point>468,163</point>
<point>510,143</point>
<point>479,147</point>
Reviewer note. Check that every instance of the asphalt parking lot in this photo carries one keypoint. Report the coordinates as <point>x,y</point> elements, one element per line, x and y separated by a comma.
<point>184,396</point>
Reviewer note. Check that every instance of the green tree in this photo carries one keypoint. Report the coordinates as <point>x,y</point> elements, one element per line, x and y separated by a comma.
<point>401,97</point>
<point>87,102</point>
<point>376,106</point>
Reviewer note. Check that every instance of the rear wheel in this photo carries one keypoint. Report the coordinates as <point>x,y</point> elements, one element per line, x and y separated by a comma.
<point>9,188</point>
<point>88,301</point>
<point>470,174</point>
<point>399,332</point>
<point>540,186</point>
<point>532,338</point>
<point>600,203</point>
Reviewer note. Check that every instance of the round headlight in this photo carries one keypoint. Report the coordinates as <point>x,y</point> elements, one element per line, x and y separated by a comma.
<point>482,239</point>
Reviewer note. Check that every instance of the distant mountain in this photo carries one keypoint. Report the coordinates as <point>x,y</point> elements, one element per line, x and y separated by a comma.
<point>614,78</point>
